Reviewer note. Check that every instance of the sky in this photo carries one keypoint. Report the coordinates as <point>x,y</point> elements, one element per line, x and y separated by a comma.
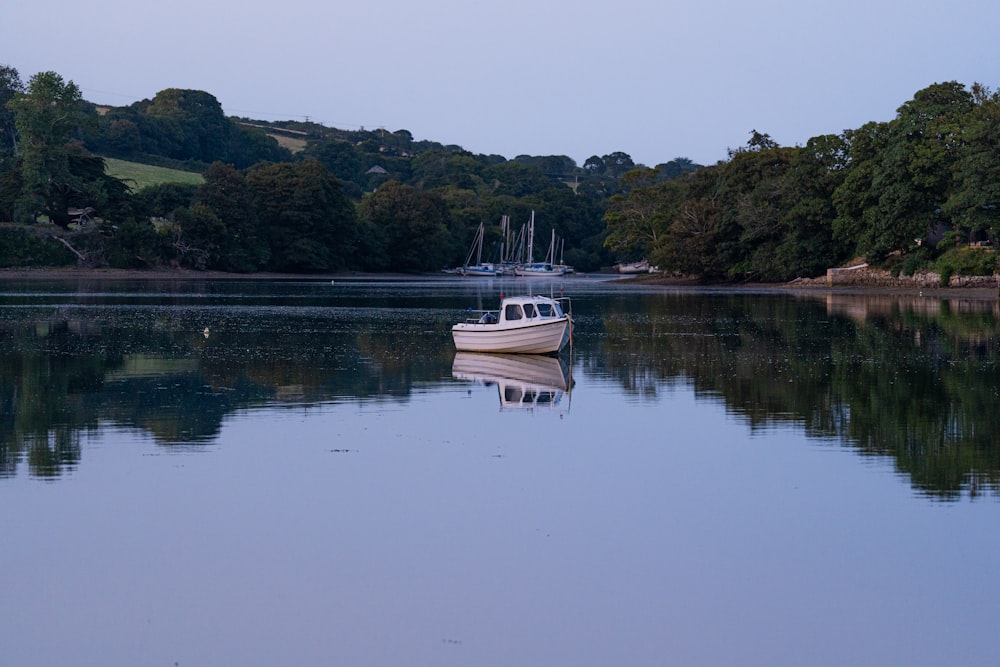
<point>657,79</point>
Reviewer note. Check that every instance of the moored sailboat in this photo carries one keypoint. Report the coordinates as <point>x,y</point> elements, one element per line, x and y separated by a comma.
<point>546,268</point>
<point>480,268</point>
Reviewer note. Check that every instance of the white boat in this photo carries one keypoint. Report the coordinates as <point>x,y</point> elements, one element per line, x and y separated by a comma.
<point>631,268</point>
<point>480,268</point>
<point>485,269</point>
<point>546,269</point>
<point>539,269</point>
<point>523,324</point>
<point>524,381</point>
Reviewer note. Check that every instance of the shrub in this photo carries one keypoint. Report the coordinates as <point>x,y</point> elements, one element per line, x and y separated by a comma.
<point>21,247</point>
<point>946,275</point>
<point>950,240</point>
<point>914,261</point>
<point>966,261</point>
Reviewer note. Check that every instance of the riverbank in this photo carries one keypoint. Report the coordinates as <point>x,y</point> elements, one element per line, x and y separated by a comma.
<point>867,281</point>
<point>872,281</point>
<point>72,273</point>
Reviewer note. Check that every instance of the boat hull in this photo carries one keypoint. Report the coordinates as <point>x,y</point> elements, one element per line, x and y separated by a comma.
<point>487,271</point>
<point>539,271</point>
<point>523,381</point>
<point>543,337</point>
<point>536,371</point>
<point>633,268</point>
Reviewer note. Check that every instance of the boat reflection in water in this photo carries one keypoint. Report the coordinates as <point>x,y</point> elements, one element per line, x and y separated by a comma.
<point>525,382</point>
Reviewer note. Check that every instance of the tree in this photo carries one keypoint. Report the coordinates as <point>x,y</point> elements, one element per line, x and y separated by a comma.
<point>46,116</point>
<point>160,201</point>
<point>855,199</point>
<point>901,177</point>
<point>594,166</point>
<point>10,87</point>
<point>808,245</point>
<point>517,179</point>
<point>412,224</point>
<point>974,201</point>
<point>618,163</point>
<point>554,166</point>
<point>199,237</point>
<point>309,222</point>
<point>242,247</point>
<point>194,121</point>
<point>754,197</point>
<point>694,238</point>
<point>433,169</point>
<point>250,145</point>
<point>636,221</point>
<point>340,157</point>
<point>676,167</point>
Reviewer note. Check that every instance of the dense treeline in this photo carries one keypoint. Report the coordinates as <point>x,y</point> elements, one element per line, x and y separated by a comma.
<point>359,200</point>
<point>297,196</point>
<point>887,191</point>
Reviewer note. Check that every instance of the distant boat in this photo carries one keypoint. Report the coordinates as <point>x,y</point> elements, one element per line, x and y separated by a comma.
<point>642,266</point>
<point>560,265</point>
<point>486,269</point>
<point>548,268</point>
<point>523,324</point>
<point>480,268</point>
<point>539,269</point>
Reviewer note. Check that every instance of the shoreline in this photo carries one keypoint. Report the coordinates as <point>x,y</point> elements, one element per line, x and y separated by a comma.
<point>975,287</point>
<point>889,285</point>
<point>56,273</point>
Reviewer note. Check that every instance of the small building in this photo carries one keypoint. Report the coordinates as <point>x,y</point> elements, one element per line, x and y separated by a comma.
<point>80,216</point>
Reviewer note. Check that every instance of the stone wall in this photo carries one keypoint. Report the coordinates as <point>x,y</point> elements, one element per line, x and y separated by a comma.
<point>865,275</point>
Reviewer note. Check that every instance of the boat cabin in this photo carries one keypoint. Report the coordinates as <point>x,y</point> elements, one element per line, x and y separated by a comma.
<point>530,310</point>
<point>520,309</point>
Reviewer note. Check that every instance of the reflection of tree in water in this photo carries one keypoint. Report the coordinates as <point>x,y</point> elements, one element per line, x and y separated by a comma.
<point>160,374</point>
<point>920,386</point>
<point>916,381</point>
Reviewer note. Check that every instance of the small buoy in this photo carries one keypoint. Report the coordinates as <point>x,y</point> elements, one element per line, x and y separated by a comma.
<point>205,332</point>
<point>332,282</point>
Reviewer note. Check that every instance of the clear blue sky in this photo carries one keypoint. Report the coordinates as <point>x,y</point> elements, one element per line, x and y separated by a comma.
<point>656,79</point>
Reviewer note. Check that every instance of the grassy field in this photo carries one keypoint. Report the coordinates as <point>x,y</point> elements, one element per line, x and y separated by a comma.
<point>291,143</point>
<point>139,176</point>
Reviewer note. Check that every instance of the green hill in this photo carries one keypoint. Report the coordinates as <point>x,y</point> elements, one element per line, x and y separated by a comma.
<point>139,176</point>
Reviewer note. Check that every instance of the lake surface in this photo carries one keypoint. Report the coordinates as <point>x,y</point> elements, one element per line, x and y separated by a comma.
<point>305,473</point>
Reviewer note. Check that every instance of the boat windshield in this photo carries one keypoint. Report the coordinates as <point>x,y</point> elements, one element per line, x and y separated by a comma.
<point>548,310</point>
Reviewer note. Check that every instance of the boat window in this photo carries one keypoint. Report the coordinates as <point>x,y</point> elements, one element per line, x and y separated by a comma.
<point>512,394</point>
<point>529,310</point>
<point>512,312</point>
<point>546,310</point>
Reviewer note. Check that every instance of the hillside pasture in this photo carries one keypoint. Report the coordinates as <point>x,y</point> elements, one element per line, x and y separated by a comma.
<point>294,144</point>
<point>139,176</point>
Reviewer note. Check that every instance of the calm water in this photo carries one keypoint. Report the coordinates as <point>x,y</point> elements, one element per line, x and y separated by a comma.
<point>300,473</point>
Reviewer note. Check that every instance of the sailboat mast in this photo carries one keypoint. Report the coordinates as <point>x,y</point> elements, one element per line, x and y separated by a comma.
<point>531,238</point>
<point>503,239</point>
<point>479,249</point>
